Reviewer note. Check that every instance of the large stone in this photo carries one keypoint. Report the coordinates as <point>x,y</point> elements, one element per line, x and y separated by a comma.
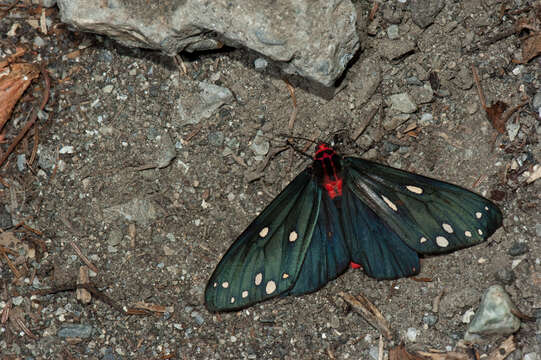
<point>311,38</point>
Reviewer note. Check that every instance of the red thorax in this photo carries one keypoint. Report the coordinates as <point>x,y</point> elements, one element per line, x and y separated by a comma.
<point>327,168</point>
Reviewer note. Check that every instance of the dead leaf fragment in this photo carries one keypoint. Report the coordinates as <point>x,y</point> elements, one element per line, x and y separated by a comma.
<point>531,47</point>
<point>495,115</point>
<point>12,86</point>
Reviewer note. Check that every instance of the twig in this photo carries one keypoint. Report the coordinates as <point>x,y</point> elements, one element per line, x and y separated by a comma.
<point>506,348</point>
<point>180,63</point>
<point>6,12</point>
<point>83,257</point>
<point>479,88</point>
<point>294,99</point>
<point>436,302</point>
<point>258,172</point>
<point>369,312</point>
<point>89,286</point>
<point>16,272</point>
<point>25,329</point>
<point>193,133</point>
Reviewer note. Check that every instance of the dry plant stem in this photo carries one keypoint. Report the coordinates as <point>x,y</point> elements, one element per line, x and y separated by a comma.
<point>506,115</point>
<point>25,329</point>
<point>33,116</point>
<point>6,11</point>
<point>504,350</point>
<point>369,312</point>
<point>16,272</point>
<point>444,356</point>
<point>479,88</point>
<point>436,302</point>
<point>83,257</point>
<point>90,287</point>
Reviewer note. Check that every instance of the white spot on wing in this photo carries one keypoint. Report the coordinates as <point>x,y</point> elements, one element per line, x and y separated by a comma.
<point>442,241</point>
<point>232,300</point>
<point>244,294</point>
<point>264,232</point>
<point>478,215</point>
<point>389,203</point>
<point>486,208</point>
<point>423,240</point>
<point>480,232</point>
<point>414,189</point>
<point>285,276</point>
<point>293,236</point>
<point>271,287</point>
<point>447,228</point>
<point>225,284</point>
<point>467,233</point>
<point>215,284</point>
<point>258,279</point>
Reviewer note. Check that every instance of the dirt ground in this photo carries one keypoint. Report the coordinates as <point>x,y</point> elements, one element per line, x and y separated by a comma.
<point>156,234</point>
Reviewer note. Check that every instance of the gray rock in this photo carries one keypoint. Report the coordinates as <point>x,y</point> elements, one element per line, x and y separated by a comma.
<point>294,33</point>
<point>260,145</point>
<point>46,157</point>
<point>75,331</point>
<point>422,94</point>
<point>141,211</point>
<point>538,229</point>
<point>512,130</point>
<point>402,103</point>
<point>423,12</point>
<point>216,138</point>
<point>392,32</point>
<point>365,81</point>
<point>494,316</point>
<point>165,151</point>
<point>518,248</point>
<point>426,119</point>
<point>394,49</point>
<point>193,109</point>
<point>115,237</point>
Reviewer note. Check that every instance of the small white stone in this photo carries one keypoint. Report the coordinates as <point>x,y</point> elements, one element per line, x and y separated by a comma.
<point>468,315</point>
<point>411,334</point>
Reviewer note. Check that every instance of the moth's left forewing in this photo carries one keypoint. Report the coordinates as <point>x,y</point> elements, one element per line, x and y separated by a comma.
<point>431,216</point>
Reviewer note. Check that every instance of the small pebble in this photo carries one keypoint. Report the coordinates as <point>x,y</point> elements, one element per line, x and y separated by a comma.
<point>108,89</point>
<point>392,32</point>
<point>505,276</point>
<point>468,315</point>
<point>426,119</point>
<point>430,319</point>
<point>21,162</point>
<point>17,300</point>
<point>411,334</point>
<point>260,64</point>
<point>75,331</point>
<point>68,149</point>
<point>518,248</point>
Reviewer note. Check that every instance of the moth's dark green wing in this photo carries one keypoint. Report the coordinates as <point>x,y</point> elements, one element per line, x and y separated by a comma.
<point>373,243</point>
<point>328,254</point>
<point>428,215</point>
<point>266,259</point>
